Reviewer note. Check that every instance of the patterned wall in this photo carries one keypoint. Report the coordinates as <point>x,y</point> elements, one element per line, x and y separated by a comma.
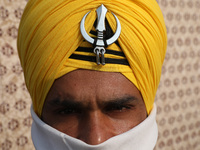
<point>178,96</point>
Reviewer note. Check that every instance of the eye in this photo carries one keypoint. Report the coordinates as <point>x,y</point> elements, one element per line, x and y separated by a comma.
<point>69,111</point>
<point>118,108</point>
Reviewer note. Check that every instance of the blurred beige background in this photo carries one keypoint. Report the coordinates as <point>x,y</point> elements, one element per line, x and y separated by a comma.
<point>178,96</point>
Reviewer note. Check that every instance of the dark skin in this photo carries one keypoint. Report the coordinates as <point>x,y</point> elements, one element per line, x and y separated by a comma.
<point>93,106</point>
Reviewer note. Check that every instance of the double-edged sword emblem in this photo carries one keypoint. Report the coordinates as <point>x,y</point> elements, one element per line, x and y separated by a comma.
<point>100,43</point>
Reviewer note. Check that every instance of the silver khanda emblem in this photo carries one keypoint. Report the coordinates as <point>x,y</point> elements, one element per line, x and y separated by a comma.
<point>100,43</point>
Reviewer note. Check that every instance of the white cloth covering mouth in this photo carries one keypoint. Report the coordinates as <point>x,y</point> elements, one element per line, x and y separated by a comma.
<point>142,137</point>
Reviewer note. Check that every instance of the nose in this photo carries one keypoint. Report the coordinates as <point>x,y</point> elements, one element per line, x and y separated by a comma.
<point>95,128</point>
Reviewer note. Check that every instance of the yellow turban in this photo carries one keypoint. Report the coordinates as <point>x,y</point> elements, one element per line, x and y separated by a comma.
<point>49,33</point>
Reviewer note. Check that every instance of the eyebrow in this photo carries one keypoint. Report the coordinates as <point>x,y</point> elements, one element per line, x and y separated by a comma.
<point>65,103</point>
<point>121,100</point>
<point>76,104</point>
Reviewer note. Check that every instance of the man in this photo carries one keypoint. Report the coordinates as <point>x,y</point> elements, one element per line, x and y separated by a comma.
<point>92,69</point>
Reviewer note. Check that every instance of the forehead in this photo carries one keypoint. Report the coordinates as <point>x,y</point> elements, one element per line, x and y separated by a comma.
<point>89,83</point>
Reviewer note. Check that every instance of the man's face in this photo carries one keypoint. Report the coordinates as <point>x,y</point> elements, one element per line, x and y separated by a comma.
<point>93,106</point>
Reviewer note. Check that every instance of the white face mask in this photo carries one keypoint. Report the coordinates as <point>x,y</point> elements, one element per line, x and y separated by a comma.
<point>141,137</point>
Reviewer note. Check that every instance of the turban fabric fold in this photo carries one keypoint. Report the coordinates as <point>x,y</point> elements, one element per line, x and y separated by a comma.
<point>49,33</point>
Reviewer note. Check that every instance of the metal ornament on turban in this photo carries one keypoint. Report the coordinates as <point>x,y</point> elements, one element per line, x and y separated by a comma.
<point>50,43</point>
<point>100,42</point>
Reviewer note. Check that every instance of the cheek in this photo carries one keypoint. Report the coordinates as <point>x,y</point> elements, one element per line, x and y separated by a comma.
<point>129,120</point>
<point>66,124</point>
